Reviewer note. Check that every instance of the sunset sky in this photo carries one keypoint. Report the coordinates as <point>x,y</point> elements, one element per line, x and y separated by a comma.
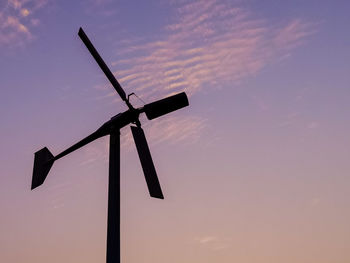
<point>255,170</point>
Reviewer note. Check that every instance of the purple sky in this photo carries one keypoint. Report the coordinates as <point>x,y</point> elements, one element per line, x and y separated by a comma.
<point>256,170</point>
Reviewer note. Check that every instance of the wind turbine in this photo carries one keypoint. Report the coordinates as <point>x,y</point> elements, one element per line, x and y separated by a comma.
<point>44,159</point>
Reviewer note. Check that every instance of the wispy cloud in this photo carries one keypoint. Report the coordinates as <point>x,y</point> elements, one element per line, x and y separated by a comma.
<point>16,21</point>
<point>293,34</point>
<point>213,242</point>
<point>206,239</point>
<point>97,152</point>
<point>210,45</point>
<point>185,130</point>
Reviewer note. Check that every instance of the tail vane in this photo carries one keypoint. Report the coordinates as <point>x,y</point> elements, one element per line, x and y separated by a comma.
<point>43,161</point>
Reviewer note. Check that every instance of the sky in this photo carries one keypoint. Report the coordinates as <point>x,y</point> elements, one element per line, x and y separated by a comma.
<point>255,170</point>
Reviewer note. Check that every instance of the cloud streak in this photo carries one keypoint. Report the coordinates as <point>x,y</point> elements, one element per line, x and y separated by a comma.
<point>185,130</point>
<point>210,45</point>
<point>213,242</point>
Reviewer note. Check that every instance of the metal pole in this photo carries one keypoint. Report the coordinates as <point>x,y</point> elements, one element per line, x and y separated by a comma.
<point>113,219</point>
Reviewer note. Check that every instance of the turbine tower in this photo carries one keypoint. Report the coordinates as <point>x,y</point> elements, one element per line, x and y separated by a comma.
<point>44,159</point>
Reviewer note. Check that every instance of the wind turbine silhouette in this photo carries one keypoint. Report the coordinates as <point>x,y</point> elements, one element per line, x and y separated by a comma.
<point>44,159</point>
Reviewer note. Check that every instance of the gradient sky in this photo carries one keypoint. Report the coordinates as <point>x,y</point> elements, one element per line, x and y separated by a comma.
<point>256,170</point>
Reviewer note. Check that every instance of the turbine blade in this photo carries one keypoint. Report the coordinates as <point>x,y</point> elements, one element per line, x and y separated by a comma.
<point>160,107</point>
<point>147,163</point>
<point>102,64</point>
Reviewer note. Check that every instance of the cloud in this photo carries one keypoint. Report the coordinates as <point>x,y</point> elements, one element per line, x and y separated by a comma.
<point>24,12</point>
<point>16,21</point>
<point>173,130</point>
<point>293,34</point>
<point>184,129</point>
<point>209,45</point>
<point>206,239</point>
<point>97,152</point>
<point>213,242</point>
